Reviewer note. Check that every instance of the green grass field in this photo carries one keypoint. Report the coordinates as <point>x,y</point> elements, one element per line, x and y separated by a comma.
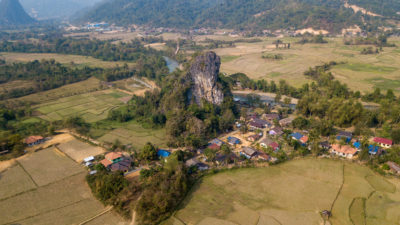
<point>93,106</point>
<point>293,193</point>
<point>45,188</point>
<point>129,133</point>
<point>361,72</point>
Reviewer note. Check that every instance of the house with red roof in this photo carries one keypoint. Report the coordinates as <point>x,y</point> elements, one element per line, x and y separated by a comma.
<point>383,142</point>
<point>34,140</point>
<point>115,161</point>
<point>344,150</point>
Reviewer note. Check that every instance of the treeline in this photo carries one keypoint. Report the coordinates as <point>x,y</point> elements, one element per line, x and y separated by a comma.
<point>104,50</point>
<point>48,74</point>
<point>379,41</point>
<point>14,128</point>
<point>309,38</point>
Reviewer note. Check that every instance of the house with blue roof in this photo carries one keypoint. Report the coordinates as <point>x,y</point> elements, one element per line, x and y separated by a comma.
<point>163,153</point>
<point>373,150</point>
<point>357,145</point>
<point>234,141</point>
<point>344,135</point>
<point>296,136</point>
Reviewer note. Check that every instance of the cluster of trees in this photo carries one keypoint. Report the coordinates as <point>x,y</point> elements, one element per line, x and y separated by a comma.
<point>48,74</point>
<point>104,50</point>
<point>369,51</point>
<point>273,56</point>
<point>380,41</point>
<point>13,130</point>
<point>309,38</point>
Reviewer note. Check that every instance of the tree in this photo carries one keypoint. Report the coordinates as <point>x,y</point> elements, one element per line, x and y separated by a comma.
<point>287,101</point>
<point>210,154</point>
<point>226,149</point>
<point>395,134</point>
<point>278,98</point>
<point>148,152</point>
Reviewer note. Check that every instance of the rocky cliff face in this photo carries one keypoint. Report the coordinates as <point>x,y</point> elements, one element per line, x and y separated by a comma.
<point>204,74</point>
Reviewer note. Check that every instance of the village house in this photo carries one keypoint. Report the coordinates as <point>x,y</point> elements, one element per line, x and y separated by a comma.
<point>383,142</point>
<point>303,140</point>
<point>267,142</point>
<point>234,141</point>
<point>394,167</point>
<point>254,125</point>
<point>296,136</point>
<point>248,152</point>
<point>223,159</point>
<point>161,153</point>
<point>271,117</point>
<point>254,137</point>
<point>344,135</point>
<point>278,131</point>
<point>260,122</point>
<point>374,150</point>
<point>34,140</point>
<point>265,157</point>
<point>325,145</point>
<point>193,162</point>
<point>115,161</point>
<point>214,147</point>
<point>344,150</point>
<point>216,141</point>
<point>285,122</point>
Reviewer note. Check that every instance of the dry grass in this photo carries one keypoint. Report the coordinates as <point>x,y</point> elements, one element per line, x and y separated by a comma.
<point>291,193</point>
<point>363,72</point>
<point>60,197</point>
<point>56,165</point>
<point>79,150</point>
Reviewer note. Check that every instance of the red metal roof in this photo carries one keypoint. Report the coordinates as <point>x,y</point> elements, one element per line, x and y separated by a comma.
<point>33,139</point>
<point>383,141</point>
<point>106,162</point>
<point>274,145</point>
<point>113,155</point>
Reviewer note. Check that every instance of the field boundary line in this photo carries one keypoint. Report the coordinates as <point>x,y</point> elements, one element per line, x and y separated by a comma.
<point>98,215</point>
<point>29,175</point>
<point>51,210</point>
<point>340,189</point>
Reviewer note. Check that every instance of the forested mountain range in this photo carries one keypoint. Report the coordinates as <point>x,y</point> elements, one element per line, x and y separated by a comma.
<point>330,15</point>
<point>12,13</point>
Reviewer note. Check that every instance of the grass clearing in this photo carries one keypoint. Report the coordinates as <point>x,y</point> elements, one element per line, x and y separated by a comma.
<point>93,106</point>
<point>291,193</point>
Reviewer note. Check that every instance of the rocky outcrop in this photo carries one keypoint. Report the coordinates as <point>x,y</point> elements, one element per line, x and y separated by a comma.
<point>204,75</point>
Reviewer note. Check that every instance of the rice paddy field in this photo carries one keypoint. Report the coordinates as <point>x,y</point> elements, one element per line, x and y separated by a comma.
<point>360,72</point>
<point>131,133</point>
<point>93,106</point>
<point>75,60</point>
<point>47,187</point>
<point>79,150</point>
<point>293,193</point>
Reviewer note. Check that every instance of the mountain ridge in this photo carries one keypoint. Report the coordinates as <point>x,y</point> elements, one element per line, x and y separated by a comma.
<point>244,14</point>
<point>12,13</point>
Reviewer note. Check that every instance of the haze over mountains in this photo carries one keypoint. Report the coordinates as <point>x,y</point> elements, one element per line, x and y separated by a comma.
<point>56,9</point>
<point>330,15</point>
<point>12,13</point>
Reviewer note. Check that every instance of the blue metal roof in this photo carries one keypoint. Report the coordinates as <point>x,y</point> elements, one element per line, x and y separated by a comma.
<point>297,135</point>
<point>163,153</point>
<point>357,144</point>
<point>373,149</point>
